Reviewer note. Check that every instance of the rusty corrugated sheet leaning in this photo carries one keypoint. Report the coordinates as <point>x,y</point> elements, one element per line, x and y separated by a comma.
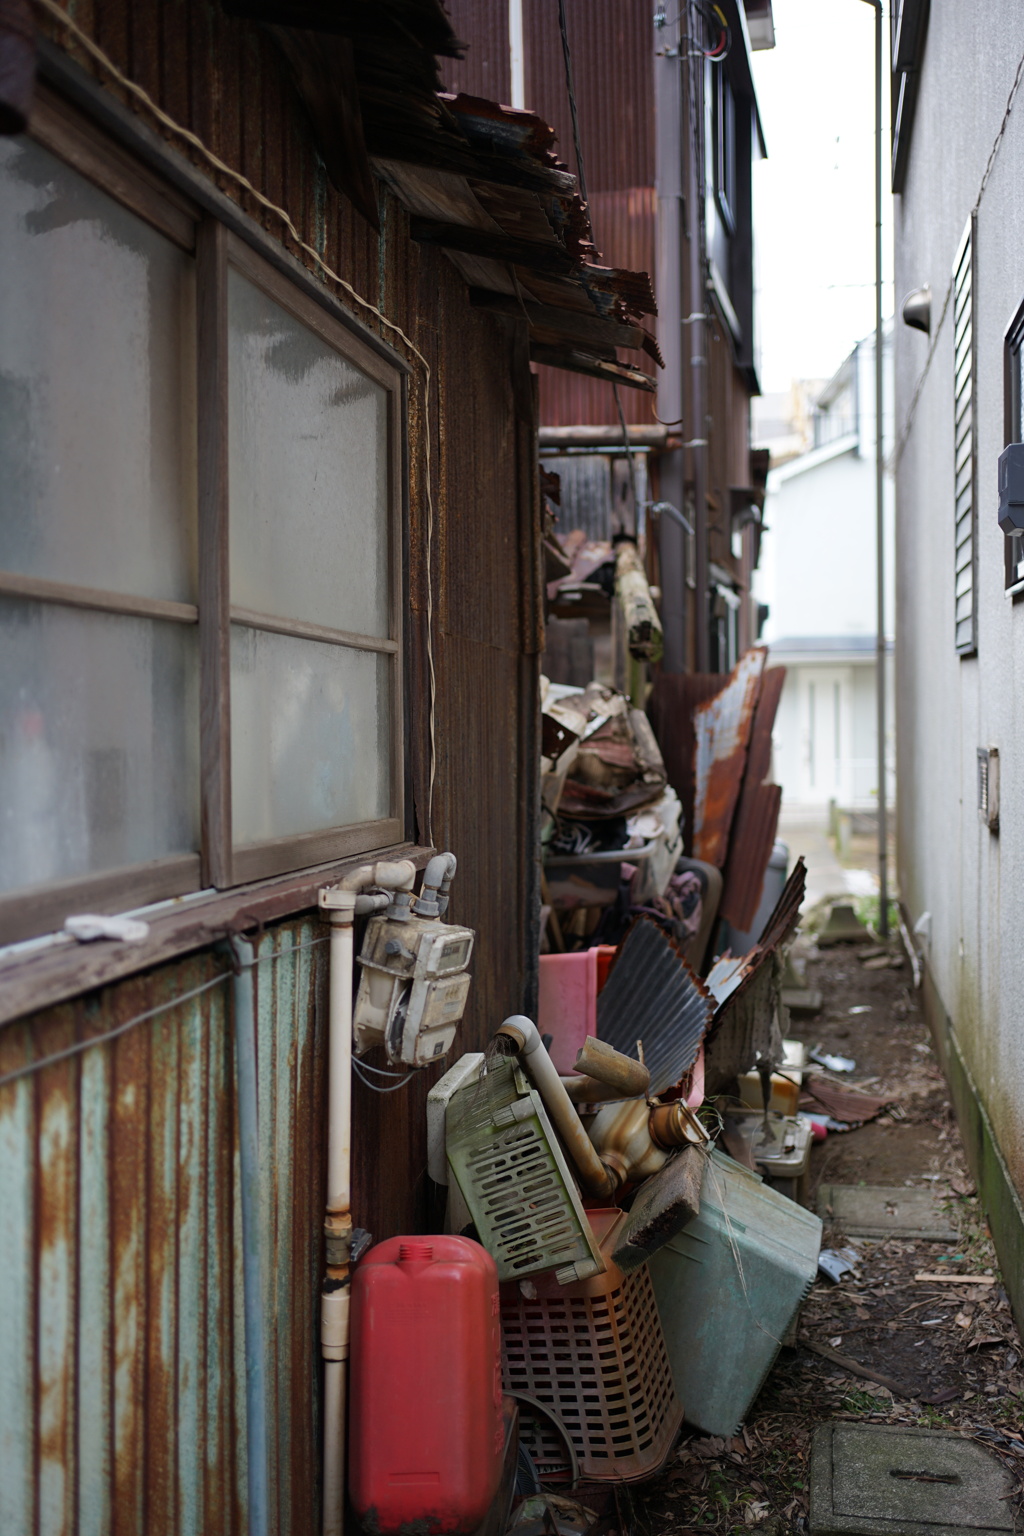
<point>757,814</point>
<point>722,730</point>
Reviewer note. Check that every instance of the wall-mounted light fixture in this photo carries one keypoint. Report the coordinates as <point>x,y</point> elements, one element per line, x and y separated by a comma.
<point>917,309</point>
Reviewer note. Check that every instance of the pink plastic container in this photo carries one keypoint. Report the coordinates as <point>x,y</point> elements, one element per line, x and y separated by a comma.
<point>567,1009</point>
<point>427,1433</point>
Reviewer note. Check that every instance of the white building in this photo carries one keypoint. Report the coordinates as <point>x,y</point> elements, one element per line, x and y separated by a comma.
<point>818,580</point>
<point>958,167</point>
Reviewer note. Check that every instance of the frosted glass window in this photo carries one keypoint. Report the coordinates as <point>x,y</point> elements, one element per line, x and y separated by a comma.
<point>98,742</point>
<point>97,387</point>
<point>308,472</point>
<point>310,735</point>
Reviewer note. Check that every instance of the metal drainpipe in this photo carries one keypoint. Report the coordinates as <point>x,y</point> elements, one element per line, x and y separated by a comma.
<point>671,334</point>
<point>696,339</point>
<point>244,1001</point>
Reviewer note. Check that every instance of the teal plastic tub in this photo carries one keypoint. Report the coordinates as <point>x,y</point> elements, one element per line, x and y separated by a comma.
<point>728,1287</point>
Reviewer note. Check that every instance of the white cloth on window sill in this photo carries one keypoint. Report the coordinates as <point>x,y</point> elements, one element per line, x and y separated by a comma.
<point>88,926</point>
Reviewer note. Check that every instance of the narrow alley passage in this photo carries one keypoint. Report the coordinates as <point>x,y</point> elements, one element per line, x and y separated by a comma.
<point>949,1350</point>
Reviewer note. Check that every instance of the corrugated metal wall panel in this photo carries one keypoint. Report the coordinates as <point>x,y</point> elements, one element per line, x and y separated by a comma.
<point>486,70</point>
<point>122,1388</point>
<point>613,69</point>
<point>612,44</point>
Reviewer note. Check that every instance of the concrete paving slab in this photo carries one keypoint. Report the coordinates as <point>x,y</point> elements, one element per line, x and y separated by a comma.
<point>864,1210</point>
<point>877,1480</point>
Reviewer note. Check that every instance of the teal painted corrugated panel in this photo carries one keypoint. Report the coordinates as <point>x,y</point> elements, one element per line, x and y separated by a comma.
<point>122,1390</point>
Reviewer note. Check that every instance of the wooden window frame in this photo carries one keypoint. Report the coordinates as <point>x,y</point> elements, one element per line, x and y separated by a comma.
<point>1013,416</point>
<point>219,236</point>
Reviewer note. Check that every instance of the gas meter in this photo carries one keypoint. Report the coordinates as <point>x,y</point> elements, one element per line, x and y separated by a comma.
<point>412,992</point>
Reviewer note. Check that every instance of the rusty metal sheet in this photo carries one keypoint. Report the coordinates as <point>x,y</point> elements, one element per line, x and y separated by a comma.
<point>613,67</point>
<point>674,700</point>
<point>757,813</point>
<point>486,68</point>
<point>721,729</point>
<point>122,1377</point>
<point>750,848</point>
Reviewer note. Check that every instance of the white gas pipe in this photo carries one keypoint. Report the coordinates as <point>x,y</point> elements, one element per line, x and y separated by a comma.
<point>343,902</point>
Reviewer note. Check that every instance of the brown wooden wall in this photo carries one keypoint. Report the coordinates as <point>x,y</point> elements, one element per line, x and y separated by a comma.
<point>224,80</point>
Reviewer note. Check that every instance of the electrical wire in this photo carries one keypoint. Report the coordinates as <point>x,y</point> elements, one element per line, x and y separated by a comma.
<point>629,455</point>
<point>112,1034</point>
<point>150,1013</point>
<point>106,63</point>
<point>567,60</point>
<point>357,1067</point>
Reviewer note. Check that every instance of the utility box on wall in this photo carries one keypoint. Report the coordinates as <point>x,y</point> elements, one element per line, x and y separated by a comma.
<point>988,787</point>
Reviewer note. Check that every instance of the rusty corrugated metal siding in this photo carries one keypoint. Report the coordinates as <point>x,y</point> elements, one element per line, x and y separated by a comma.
<point>613,67</point>
<point>612,44</point>
<point>123,1377</point>
<point>486,69</point>
<point>122,1401</point>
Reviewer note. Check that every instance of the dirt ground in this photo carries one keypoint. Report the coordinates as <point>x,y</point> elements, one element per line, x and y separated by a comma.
<point>954,1345</point>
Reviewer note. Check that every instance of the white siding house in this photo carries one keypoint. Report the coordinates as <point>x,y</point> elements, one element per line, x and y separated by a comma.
<point>817,577</point>
<point>959,224</point>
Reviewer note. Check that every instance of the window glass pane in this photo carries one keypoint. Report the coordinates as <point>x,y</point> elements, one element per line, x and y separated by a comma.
<point>308,473</point>
<point>98,742</point>
<point>97,386</point>
<point>310,735</point>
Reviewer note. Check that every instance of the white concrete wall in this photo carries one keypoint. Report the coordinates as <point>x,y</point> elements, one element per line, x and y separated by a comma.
<point>950,865</point>
<point>817,571</point>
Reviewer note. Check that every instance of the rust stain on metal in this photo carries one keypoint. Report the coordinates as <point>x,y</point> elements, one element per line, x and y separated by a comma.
<point>757,813</point>
<point>671,707</point>
<point>124,1288</point>
<point>722,731</point>
<point>753,838</point>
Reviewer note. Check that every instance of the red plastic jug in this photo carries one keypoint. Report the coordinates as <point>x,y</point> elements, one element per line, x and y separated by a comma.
<point>426,1436</point>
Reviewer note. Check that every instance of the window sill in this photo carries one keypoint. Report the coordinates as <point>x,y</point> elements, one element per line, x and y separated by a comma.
<point>37,976</point>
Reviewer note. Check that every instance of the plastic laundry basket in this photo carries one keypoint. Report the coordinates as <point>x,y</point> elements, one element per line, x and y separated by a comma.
<point>595,1354</point>
<point>728,1288</point>
<point>514,1178</point>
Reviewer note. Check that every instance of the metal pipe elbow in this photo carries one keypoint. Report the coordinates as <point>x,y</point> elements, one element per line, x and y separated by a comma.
<point>600,1180</point>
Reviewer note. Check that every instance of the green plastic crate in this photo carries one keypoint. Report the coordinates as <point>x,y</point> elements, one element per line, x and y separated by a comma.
<point>514,1178</point>
<point>728,1287</point>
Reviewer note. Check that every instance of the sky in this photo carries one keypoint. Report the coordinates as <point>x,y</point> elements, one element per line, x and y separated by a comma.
<point>814,195</point>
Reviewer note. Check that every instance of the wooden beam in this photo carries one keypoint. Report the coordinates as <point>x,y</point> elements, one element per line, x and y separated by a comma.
<point>596,368</point>
<point>480,242</point>
<point>567,322</point>
<point>643,626</point>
